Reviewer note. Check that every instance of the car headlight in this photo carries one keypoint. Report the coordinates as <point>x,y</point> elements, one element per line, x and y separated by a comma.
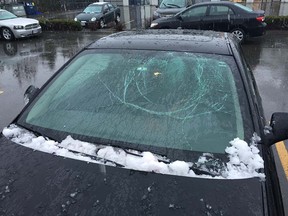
<point>75,19</point>
<point>93,19</point>
<point>18,27</point>
<point>153,25</point>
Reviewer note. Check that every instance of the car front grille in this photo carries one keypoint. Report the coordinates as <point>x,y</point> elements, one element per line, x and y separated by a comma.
<point>31,26</point>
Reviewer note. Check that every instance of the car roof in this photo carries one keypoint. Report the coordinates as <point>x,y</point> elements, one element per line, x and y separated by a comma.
<point>216,2</point>
<point>99,3</point>
<point>173,40</point>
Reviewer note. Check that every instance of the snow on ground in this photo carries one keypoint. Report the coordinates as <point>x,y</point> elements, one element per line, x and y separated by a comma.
<point>244,159</point>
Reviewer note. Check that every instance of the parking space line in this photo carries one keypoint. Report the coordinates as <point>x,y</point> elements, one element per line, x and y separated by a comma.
<point>1,92</point>
<point>283,155</point>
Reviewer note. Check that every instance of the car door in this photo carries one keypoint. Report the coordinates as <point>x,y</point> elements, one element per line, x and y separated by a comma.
<point>218,18</point>
<point>192,18</point>
<point>108,14</point>
<point>112,12</point>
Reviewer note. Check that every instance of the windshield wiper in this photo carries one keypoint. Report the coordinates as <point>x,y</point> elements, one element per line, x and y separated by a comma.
<point>197,170</point>
<point>96,158</point>
<point>138,153</point>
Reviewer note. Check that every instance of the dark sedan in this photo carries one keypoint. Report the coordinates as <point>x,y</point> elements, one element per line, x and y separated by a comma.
<point>100,14</point>
<point>156,122</point>
<point>218,16</point>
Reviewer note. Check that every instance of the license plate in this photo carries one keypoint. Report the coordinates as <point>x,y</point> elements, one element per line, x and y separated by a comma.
<point>35,31</point>
<point>83,23</point>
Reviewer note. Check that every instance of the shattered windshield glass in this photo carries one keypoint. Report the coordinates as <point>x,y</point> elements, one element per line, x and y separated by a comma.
<point>176,100</point>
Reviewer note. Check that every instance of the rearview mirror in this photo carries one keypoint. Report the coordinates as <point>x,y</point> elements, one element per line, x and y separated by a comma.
<point>278,129</point>
<point>30,93</point>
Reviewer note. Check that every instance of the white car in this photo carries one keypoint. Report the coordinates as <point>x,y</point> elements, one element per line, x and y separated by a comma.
<point>12,26</point>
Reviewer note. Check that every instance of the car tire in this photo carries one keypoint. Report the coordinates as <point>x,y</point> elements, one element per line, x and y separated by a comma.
<point>7,34</point>
<point>117,20</point>
<point>239,33</point>
<point>101,23</point>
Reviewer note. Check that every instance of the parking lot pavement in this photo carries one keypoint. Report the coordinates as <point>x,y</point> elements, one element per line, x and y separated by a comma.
<point>267,57</point>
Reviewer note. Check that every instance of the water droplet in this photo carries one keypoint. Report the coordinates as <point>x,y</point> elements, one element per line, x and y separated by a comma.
<point>7,190</point>
<point>96,203</point>
<point>144,197</point>
<point>72,195</point>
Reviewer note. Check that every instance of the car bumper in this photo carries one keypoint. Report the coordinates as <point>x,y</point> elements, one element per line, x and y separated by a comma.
<point>22,33</point>
<point>258,31</point>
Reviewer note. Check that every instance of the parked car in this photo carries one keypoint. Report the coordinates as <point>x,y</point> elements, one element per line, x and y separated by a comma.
<point>218,16</point>
<point>12,26</point>
<point>171,7</point>
<point>152,122</point>
<point>99,13</point>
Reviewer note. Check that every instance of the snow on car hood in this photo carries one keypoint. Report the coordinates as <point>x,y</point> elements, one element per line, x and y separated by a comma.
<point>18,21</point>
<point>244,160</point>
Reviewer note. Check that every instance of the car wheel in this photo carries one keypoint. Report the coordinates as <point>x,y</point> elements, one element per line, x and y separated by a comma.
<point>102,23</point>
<point>117,20</point>
<point>7,34</point>
<point>239,33</point>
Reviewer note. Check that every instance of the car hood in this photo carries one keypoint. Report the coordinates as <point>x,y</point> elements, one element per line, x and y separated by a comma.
<point>34,182</point>
<point>87,16</point>
<point>18,21</point>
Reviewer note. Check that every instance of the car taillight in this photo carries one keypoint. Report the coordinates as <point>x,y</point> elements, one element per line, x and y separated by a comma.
<point>260,18</point>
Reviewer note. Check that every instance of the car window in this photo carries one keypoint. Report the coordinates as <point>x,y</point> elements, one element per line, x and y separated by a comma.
<point>6,15</point>
<point>219,10</point>
<point>172,4</point>
<point>105,8</point>
<point>171,100</point>
<point>93,9</point>
<point>244,7</point>
<point>194,12</point>
<point>111,7</point>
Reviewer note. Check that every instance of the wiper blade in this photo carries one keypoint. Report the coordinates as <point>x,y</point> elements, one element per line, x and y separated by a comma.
<point>138,153</point>
<point>199,171</point>
<point>96,158</point>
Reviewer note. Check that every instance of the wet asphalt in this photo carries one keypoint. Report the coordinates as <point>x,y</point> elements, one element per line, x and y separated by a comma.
<point>32,61</point>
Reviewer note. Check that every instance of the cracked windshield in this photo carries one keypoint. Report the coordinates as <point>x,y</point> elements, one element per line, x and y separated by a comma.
<point>165,99</point>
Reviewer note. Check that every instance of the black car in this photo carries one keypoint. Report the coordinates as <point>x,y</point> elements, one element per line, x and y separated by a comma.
<point>99,13</point>
<point>218,16</point>
<point>155,122</point>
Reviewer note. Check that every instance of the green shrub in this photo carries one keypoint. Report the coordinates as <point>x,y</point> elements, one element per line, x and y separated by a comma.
<point>59,25</point>
<point>277,22</point>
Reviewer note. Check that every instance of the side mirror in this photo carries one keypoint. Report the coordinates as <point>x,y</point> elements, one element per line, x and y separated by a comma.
<point>105,11</point>
<point>30,93</point>
<point>278,129</point>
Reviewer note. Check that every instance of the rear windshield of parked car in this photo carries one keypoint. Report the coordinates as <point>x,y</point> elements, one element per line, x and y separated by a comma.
<point>176,100</point>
